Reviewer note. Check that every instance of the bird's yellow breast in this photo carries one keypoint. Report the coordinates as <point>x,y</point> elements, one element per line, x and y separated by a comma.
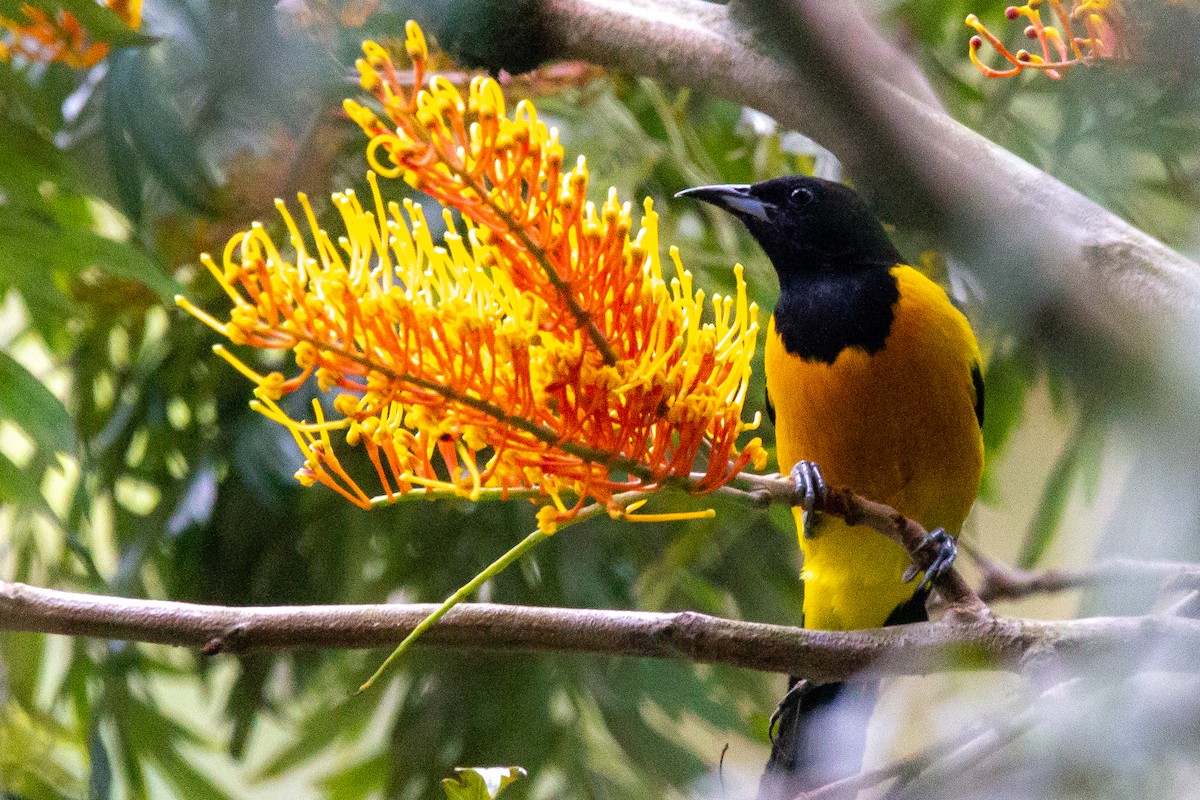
<point>897,426</point>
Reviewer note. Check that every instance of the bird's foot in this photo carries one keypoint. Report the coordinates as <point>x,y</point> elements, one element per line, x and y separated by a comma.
<point>811,492</point>
<point>944,550</point>
<point>793,696</point>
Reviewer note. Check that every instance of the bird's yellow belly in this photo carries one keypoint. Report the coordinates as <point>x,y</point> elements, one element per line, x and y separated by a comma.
<point>898,427</point>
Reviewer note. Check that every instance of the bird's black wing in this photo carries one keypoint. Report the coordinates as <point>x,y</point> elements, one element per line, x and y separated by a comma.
<point>976,380</point>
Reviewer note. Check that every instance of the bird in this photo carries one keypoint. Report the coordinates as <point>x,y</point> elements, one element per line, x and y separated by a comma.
<point>874,383</point>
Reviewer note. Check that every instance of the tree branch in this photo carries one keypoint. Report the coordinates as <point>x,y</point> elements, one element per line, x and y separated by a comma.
<point>822,656</point>
<point>960,598</point>
<point>1103,262</point>
<point>1001,582</point>
<point>969,743</point>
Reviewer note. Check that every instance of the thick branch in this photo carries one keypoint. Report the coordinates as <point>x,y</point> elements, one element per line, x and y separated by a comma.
<point>1096,255</point>
<point>820,655</point>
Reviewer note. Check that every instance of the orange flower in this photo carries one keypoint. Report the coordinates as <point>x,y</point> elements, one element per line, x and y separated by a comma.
<point>1103,26</point>
<point>538,348</point>
<point>62,38</point>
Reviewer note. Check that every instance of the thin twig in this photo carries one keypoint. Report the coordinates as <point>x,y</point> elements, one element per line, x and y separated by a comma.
<point>1186,606</point>
<point>959,761</point>
<point>963,603</point>
<point>857,510</point>
<point>906,769</point>
<point>764,490</point>
<point>1002,582</point>
<point>514,554</point>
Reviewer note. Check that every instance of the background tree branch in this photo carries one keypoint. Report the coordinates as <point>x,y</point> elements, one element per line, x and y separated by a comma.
<point>1001,582</point>
<point>974,742</point>
<point>706,46</point>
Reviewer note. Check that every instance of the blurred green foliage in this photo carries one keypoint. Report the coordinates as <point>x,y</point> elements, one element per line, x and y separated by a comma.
<point>143,473</point>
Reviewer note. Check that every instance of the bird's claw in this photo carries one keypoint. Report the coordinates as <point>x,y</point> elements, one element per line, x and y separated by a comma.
<point>945,550</point>
<point>811,493</point>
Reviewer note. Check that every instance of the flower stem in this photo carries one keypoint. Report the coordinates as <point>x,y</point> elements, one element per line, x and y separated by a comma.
<point>495,568</point>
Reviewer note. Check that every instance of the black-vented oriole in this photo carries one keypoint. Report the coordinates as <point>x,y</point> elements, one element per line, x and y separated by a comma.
<point>873,382</point>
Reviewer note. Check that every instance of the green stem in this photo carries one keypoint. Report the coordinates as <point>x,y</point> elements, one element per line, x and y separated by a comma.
<point>495,568</point>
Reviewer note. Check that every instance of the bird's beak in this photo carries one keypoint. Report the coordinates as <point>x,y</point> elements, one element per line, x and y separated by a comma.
<point>733,197</point>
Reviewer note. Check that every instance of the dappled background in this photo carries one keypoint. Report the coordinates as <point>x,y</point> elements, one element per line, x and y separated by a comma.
<point>130,463</point>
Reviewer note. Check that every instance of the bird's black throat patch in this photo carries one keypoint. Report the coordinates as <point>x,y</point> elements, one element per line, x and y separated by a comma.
<point>820,314</point>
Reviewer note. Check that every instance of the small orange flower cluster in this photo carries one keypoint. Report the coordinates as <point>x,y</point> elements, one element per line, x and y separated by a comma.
<point>63,37</point>
<point>325,19</point>
<point>541,351</point>
<point>1103,27</point>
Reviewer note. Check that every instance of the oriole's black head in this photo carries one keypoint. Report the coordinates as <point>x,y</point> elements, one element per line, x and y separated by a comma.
<point>805,224</point>
<point>833,258</point>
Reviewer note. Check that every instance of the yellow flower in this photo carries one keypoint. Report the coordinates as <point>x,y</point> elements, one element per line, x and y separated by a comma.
<point>62,38</point>
<point>1103,37</point>
<point>538,346</point>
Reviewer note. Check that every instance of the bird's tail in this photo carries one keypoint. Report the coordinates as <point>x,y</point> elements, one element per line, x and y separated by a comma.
<point>821,737</point>
<point>822,730</point>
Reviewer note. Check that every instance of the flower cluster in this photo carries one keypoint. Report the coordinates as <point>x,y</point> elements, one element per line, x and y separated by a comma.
<point>1063,47</point>
<point>538,347</point>
<point>62,38</point>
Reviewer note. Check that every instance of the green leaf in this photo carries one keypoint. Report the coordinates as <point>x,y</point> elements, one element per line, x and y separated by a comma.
<point>27,157</point>
<point>157,133</point>
<point>22,487</point>
<point>123,159</point>
<point>36,757</point>
<point>1009,376</point>
<point>22,656</point>
<point>480,783</point>
<point>47,245</point>
<point>27,402</point>
<point>22,100</point>
<point>101,23</point>
<point>357,781</point>
<point>157,739</point>
<point>1053,505</point>
<point>316,732</point>
<point>100,781</point>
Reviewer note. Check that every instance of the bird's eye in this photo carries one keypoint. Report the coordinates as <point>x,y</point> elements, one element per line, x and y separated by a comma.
<point>801,196</point>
